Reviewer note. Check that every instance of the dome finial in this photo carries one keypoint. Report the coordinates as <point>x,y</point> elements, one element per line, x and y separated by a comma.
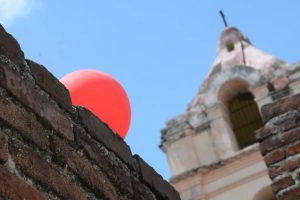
<point>229,37</point>
<point>224,19</point>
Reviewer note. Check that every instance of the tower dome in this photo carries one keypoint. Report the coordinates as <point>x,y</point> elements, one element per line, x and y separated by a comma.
<point>229,37</point>
<point>234,49</point>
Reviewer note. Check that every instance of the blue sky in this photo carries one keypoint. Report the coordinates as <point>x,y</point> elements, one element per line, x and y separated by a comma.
<point>159,50</point>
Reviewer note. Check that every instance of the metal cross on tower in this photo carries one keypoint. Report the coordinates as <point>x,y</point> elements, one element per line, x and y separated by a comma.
<point>223,17</point>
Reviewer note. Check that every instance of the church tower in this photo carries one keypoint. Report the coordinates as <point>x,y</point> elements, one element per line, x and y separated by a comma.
<point>211,148</point>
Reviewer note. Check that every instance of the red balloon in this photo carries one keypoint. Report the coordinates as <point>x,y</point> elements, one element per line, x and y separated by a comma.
<point>101,94</point>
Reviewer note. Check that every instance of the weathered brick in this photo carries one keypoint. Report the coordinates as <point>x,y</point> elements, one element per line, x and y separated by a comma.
<point>269,144</point>
<point>95,179</point>
<point>37,168</point>
<point>155,181</point>
<point>298,176</point>
<point>106,136</point>
<point>274,156</point>
<point>292,194</point>
<point>287,165</point>
<point>288,120</point>
<point>293,148</point>
<point>10,47</point>
<point>264,132</point>
<point>282,183</point>
<point>291,136</point>
<point>38,102</point>
<point>23,121</point>
<point>15,189</point>
<point>3,148</point>
<point>51,85</point>
<point>115,170</point>
<point>273,171</point>
<point>141,191</point>
<point>281,106</point>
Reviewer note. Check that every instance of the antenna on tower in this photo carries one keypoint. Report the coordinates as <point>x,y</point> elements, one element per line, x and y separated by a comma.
<point>223,17</point>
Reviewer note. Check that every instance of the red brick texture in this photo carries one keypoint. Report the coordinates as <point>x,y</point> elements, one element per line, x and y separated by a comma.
<point>15,189</point>
<point>50,84</point>
<point>36,167</point>
<point>26,123</point>
<point>280,145</point>
<point>10,48</point>
<point>283,183</point>
<point>52,150</point>
<point>36,100</point>
<point>3,148</point>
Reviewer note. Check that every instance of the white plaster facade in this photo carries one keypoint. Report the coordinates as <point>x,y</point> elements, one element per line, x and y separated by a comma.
<point>201,147</point>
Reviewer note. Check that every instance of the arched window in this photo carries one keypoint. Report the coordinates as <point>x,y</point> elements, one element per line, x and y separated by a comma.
<point>240,111</point>
<point>245,118</point>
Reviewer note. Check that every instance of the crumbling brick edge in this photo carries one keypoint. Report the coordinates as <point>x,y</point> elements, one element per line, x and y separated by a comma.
<point>50,149</point>
<point>279,142</point>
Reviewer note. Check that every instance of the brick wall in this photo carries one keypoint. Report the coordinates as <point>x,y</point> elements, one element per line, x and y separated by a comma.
<point>52,150</point>
<point>280,145</point>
